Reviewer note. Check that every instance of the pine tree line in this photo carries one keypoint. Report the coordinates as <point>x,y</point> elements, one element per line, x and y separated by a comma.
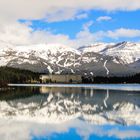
<point>15,75</point>
<point>114,80</point>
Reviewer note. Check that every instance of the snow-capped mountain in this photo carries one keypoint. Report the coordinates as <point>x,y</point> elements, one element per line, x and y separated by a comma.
<point>124,52</point>
<point>98,59</point>
<point>42,57</point>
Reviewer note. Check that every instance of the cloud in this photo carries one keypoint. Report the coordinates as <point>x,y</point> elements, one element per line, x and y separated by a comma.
<point>64,15</point>
<point>82,16</point>
<point>15,33</point>
<point>52,10</point>
<point>86,37</point>
<point>83,129</point>
<point>124,134</point>
<point>23,34</point>
<point>103,18</point>
<point>87,25</point>
<point>123,32</point>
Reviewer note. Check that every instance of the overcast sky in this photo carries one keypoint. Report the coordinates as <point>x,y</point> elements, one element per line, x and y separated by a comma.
<point>69,22</point>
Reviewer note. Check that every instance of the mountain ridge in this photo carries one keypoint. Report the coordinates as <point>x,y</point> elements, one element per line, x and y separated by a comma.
<point>99,59</point>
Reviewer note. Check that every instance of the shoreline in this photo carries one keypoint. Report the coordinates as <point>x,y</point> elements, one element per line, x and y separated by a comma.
<point>125,87</point>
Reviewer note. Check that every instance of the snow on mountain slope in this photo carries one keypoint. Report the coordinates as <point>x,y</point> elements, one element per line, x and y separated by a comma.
<point>99,59</point>
<point>97,47</point>
<point>49,48</point>
<point>124,52</point>
<point>43,58</point>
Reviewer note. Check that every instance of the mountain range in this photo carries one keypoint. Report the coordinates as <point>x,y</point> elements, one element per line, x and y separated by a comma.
<point>99,59</point>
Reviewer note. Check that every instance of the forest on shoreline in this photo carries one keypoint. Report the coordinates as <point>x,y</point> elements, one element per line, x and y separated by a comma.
<point>112,80</point>
<point>15,75</point>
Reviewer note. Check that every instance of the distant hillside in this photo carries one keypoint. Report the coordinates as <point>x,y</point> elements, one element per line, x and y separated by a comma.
<point>14,75</point>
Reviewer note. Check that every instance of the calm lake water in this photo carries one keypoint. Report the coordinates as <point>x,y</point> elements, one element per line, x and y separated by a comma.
<point>70,112</point>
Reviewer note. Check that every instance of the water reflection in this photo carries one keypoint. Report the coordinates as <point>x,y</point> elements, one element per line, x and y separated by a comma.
<point>68,90</point>
<point>82,113</point>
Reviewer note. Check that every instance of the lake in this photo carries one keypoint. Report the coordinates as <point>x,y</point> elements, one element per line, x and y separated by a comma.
<point>70,112</point>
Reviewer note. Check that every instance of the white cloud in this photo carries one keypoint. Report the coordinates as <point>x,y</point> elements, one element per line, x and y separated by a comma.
<point>122,32</point>
<point>13,32</point>
<point>86,37</point>
<point>103,18</point>
<point>65,14</point>
<point>87,25</point>
<point>83,129</point>
<point>124,134</point>
<point>81,16</point>
<point>12,10</point>
<point>22,34</point>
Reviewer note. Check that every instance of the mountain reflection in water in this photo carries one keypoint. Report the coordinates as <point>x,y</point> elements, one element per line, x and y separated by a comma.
<point>81,112</point>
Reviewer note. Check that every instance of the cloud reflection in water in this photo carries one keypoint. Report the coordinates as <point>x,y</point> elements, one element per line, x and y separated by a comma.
<point>82,113</point>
